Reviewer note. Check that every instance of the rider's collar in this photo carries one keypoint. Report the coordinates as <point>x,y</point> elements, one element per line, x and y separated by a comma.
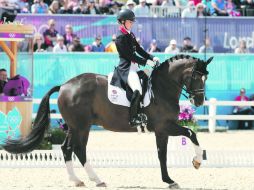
<point>124,30</point>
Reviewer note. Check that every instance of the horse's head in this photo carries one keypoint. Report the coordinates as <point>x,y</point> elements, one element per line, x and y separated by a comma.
<point>194,78</point>
<point>171,76</point>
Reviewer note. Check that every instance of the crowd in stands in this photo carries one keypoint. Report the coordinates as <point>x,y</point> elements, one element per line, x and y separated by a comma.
<point>187,8</point>
<point>53,41</point>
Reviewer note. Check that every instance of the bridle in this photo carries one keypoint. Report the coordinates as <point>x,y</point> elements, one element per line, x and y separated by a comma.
<point>193,93</point>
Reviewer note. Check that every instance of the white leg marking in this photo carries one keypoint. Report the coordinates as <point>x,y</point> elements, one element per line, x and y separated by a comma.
<point>146,130</point>
<point>139,130</point>
<point>71,173</point>
<point>199,153</point>
<point>91,173</point>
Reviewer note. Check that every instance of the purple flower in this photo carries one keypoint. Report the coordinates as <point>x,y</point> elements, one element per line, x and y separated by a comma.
<point>186,113</point>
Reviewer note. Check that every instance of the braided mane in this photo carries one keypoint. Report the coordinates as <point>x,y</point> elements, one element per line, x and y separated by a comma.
<point>199,64</point>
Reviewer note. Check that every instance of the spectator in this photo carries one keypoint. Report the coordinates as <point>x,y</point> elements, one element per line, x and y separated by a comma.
<point>76,46</point>
<point>130,5</point>
<point>248,7</point>
<point>39,45</point>
<point>231,8</point>
<point>111,46</point>
<point>69,35</point>
<point>196,2</point>
<point>39,7</point>
<point>190,11</point>
<point>23,46</point>
<point>80,8</point>
<point>153,2</point>
<point>172,48</point>
<point>139,42</point>
<point>201,11</point>
<point>243,110</point>
<point>252,99</point>
<point>54,7</point>
<point>3,80</point>
<point>73,3</point>
<point>23,6</point>
<point>242,47</point>
<point>167,3</point>
<point>208,5</point>
<point>153,47</point>
<point>66,8</point>
<point>60,47</point>
<point>50,35</point>
<point>187,46</point>
<point>218,8</point>
<point>113,8</point>
<point>142,9</point>
<point>181,4</point>
<point>87,48</point>
<point>97,45</point>
<point>249,4</point>
<point>3,3</point>
<point>103,6</point>
<point>206,48</point>
<point>92,9</point>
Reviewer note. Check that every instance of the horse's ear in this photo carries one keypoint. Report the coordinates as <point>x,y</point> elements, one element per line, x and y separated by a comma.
<point>209,60</point>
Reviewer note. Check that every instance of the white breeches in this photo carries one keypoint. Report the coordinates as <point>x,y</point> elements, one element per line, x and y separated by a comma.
<point>134,82</point>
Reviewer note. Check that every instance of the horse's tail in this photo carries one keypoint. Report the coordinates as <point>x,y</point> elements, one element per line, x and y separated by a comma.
<point>41,123</point>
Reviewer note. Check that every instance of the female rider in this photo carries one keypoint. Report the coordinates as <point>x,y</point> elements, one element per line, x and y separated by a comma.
<point>126,72</point>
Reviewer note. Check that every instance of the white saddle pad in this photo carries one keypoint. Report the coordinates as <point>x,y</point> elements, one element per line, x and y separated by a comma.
<point>117,95</point>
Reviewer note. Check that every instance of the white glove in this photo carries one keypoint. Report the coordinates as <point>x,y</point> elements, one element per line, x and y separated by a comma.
<point>156,59</point>
<point>150,63</point>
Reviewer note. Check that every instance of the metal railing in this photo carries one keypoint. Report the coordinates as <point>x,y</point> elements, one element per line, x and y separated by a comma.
<point>167,11</point>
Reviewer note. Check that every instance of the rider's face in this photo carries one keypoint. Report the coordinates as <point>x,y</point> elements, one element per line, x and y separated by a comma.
<point>128,24</point>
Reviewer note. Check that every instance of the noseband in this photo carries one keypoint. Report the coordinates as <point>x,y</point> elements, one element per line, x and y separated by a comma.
<point>193,93</point>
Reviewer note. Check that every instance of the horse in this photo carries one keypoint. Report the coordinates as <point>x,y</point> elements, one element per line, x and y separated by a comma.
<point>83,101</point>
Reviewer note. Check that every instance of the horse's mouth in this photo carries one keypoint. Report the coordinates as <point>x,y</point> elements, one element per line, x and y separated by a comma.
<point>196,103</point>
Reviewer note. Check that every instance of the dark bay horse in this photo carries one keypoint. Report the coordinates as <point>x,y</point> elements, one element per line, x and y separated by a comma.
<point>83,101</point>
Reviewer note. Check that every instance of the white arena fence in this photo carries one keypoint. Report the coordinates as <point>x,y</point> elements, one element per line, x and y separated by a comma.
<point>212,116</point>
<point>127,159</point>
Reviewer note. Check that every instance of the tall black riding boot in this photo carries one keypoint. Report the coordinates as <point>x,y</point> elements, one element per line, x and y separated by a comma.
<point>136,118</point>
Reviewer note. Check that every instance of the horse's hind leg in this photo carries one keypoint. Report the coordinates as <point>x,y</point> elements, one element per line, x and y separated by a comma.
<point>176,130</point>
<point>80,151</point>
<point>67,149</point>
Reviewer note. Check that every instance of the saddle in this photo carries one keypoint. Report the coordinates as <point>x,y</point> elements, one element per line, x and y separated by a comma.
<point>119,96</point>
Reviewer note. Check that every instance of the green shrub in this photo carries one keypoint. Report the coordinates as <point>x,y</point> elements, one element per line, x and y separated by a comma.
<point>45,145</point>
<point>57,136</point>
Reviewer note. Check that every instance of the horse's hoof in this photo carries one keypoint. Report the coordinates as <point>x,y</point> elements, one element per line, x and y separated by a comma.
<point>79,184</point>
<point>196,164</point>
<point>102,184</point>
<point>174,186</point>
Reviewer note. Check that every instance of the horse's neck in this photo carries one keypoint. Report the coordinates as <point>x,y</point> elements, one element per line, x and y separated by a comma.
<point>167,82</point>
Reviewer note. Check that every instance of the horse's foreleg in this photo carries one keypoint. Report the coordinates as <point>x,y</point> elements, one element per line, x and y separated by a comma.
<point>162,141</point>
<point>176,130</point>
<point>67,152</point>
<point>93,176</point>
